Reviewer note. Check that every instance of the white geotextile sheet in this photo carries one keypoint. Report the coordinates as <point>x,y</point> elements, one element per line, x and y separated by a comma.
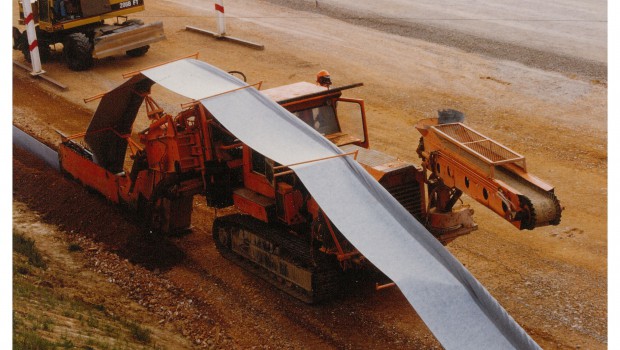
<point>30,144</point>
<point>453,304</point>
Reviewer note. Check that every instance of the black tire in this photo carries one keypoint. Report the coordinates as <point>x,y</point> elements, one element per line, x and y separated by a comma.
<point>78,52</point>
<point>17,37</point>
<point>45,53</point>
<point>140,51</point>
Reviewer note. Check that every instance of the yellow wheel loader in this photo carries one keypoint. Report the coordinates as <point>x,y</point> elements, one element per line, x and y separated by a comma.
<point>80,26</point>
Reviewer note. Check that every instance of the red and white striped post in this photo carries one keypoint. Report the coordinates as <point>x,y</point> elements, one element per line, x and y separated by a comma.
<point>33,44</point>
<point>221,20</point>
<point>221,28</point>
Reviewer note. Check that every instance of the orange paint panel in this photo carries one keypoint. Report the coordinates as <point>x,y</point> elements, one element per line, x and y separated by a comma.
<point>254,181</point>
<point>252,208</point>
<point>89,173</point>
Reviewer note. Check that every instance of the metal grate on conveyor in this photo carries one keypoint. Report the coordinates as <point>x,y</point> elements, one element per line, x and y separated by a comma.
<point>479,145</point>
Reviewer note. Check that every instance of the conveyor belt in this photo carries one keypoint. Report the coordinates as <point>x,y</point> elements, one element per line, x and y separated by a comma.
<point>545,205</point>
<point>482,154</point>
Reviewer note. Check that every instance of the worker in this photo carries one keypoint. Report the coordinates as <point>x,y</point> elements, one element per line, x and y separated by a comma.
<point>323,78</point>
<point>60,9</point>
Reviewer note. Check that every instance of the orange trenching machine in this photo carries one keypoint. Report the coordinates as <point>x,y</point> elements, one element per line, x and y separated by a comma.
<point>278,226</point>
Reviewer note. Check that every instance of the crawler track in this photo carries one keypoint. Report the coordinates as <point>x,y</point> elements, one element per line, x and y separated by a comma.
<point>284,259</point>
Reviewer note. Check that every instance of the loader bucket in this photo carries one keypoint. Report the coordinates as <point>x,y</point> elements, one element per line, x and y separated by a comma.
<point>128,38</point>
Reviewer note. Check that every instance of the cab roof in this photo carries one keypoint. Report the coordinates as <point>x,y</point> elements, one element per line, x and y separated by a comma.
<point>290,91</point>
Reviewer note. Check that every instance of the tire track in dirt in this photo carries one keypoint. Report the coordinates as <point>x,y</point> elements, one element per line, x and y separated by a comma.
<point>502,50</point>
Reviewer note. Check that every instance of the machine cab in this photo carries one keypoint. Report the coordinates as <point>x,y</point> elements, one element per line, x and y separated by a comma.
<point>340,120</point>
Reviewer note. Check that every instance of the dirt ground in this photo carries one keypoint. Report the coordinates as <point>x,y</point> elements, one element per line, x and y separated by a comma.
<point>552,280</point>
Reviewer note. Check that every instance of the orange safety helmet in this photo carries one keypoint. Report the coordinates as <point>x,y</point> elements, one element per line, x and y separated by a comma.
<point>323,78</point>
